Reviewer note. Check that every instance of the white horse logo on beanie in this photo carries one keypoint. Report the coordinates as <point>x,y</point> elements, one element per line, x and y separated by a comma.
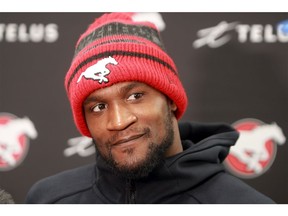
<point>98,71</point>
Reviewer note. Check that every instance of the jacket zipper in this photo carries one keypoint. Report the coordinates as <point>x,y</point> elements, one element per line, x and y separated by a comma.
<point>130,192</point>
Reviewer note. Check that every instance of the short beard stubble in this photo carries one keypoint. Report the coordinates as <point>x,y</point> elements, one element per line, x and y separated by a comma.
<point>155,155</point>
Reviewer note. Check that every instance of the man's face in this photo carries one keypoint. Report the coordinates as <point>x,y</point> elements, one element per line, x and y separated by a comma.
<point>132,125</point>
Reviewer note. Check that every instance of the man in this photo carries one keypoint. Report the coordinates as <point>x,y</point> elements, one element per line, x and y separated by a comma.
<point>125,93</point>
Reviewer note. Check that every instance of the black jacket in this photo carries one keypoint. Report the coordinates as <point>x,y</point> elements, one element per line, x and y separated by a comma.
<point>196,175</point>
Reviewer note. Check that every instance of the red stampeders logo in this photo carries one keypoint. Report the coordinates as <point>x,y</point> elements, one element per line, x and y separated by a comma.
<point>14,140</point>
<point>255,149</point>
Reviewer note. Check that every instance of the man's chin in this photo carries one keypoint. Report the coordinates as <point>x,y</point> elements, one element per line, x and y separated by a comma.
<point>128,173</point>
<point>133,169</point>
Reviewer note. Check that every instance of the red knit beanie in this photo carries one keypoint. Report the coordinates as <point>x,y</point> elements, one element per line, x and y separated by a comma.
<point>117,49</point>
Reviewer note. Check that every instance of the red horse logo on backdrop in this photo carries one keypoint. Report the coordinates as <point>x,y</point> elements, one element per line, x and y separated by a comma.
<point>13,140</point>
<point>255,149</point>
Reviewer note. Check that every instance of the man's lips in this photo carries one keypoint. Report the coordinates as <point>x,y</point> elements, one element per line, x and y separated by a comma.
<point>127,139</point>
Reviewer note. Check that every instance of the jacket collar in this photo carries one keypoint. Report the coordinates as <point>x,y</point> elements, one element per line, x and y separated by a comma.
<point>205,147</point>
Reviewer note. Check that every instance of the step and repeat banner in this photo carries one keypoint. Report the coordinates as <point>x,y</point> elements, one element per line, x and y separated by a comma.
<point>233,65</point>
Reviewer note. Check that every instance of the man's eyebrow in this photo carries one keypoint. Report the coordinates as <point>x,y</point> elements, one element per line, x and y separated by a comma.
<point>90,99</point>
<point>129,87</point>
<point>122,90</point>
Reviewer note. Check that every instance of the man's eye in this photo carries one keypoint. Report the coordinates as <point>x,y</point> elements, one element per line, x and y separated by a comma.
<point>135,96</point>
<point>99,107</point>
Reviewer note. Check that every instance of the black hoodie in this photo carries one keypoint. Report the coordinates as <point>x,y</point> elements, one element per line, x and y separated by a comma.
<point>195,175</point>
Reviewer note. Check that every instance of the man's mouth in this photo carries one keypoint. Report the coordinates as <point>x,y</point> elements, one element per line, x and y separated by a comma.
<point>127,140</point>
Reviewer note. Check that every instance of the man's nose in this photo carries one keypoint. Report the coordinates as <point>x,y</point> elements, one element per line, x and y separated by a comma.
<point>120,117</point>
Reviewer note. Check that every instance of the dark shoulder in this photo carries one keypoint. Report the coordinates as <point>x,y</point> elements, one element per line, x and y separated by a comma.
<point>224,188</point>
<point>66,183</point>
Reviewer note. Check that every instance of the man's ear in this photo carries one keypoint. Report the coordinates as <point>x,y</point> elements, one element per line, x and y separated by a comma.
<point>173,106</point>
